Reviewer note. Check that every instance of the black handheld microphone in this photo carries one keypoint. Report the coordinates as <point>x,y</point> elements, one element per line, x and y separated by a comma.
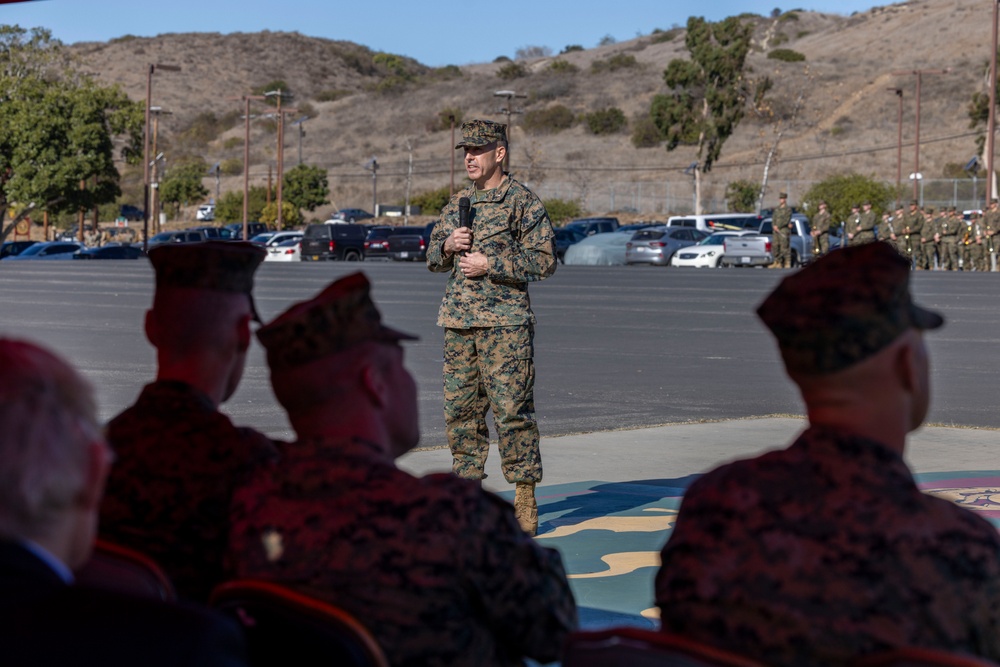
<point>464,206</point>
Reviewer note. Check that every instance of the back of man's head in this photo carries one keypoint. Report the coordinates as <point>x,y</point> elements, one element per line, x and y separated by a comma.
<point>48,421</point>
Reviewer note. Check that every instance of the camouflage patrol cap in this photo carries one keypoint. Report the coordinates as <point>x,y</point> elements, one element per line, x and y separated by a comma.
<point>482,133</point>
<point>782,195</point>
<point>339,317</point>
<point>930,209</point>
<point>221,266</point>
<point>843,308</point>
<point>914,202</point>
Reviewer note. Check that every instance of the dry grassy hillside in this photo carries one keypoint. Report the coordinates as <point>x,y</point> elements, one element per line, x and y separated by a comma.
<point>847,120</point>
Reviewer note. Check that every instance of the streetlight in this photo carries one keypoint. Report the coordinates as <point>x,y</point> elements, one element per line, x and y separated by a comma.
<point>281,145</point>
<point>145,148</point>
<point>991,123</point>
<point>156,112</point>
<point>246,159</point>
<point>899,143</point>
<point>374,165</point>
<point>919,73</point>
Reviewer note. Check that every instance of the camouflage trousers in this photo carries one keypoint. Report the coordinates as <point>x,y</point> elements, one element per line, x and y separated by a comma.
<point>491,368</point>
<point>782,256</point>
<point>949,254</point>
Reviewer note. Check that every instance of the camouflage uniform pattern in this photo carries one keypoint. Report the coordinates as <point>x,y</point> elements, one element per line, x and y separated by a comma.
<point>438,569</point>
<point>781,218</point>
<point>864,228</point>
<point>910,233</point>
<point>821,229</point>
<point>948,230</point>
<point>178,462</point>
<point>488,322</point>
<point>826,551</point>
<point>973,256</point>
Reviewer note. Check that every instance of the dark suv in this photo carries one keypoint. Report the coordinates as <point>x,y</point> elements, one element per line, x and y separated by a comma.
<point>591,226</point>
<point>344,242</point>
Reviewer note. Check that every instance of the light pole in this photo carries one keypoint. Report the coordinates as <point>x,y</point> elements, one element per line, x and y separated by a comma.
<point>510,96</point>
<point>919,73</point>
<point>246,159</point>
<point>279,94</point>
<point>374,165</point>
<point>899,143</point>
<point>156,112</point>
<point>991,123</point>
<point>145,148</point>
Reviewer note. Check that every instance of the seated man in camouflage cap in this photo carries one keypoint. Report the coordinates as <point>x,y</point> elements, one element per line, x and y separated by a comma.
<point>435,567</point>
<point>178,456</point>
<point>827,550</point>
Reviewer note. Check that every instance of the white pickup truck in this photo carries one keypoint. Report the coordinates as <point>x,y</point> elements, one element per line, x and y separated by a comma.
<point>746,251</point>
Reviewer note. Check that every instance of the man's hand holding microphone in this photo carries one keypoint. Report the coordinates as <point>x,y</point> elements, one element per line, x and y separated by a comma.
<point>474,264</point>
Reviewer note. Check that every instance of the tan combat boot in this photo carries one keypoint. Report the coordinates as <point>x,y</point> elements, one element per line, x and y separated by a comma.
<point>525,507</point>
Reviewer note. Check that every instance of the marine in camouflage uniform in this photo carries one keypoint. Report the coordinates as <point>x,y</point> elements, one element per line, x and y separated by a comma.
<point>910,231</point>
<point>822,226</point>
<point>947,234</point>
<point>864,226</point>
<point>179,458</point>
<point>486,313</point>
<point>826,551</point>
<point>781,221</point>
<point>973,256</point>
<point>437,568</point>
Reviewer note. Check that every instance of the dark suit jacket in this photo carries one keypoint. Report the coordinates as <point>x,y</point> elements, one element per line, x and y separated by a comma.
<point>45,622</point>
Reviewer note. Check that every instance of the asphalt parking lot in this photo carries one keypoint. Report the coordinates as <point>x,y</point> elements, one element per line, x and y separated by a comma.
<point>616,347</point>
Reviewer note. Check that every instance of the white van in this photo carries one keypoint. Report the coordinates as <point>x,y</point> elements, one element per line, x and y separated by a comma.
<point>717,222</point>
<point>205,213</point>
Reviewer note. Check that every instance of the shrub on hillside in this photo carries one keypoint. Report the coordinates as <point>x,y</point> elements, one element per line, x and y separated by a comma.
<point>512,70</point>
<point>563,67</point>
<point>741,196</point>
<point>553,119</point>
<point>562,210</point>
<point>614,63</point>
<point>526,52</point>
<point>605,121</point>
<point>660,36</point>
<point>501,59</point>
<point>786,55</point>
<point>570,48</point>
<point>332,95</point>
<point>443,119</point>
<point>231,166</point>
<point>432,201</point>
<point>645,134</point>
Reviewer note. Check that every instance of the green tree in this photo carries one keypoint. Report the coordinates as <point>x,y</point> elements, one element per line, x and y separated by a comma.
<point>708,93</point>
<point>56,130</point>
<point>606,121</point>
<point>561,210</point>
<point>291,216</point>
<point>305,187</point>
<point>183,184</point>
<point>843,191</point>
<point>741,196</point>
<point>432,201</point>
<point>229,208</point>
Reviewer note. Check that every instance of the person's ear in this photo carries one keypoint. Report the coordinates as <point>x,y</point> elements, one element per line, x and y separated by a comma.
<point>501,152</point>
<point>374,383</point>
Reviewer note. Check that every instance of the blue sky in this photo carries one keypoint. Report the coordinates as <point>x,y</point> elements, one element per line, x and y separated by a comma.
<point>433,32</point>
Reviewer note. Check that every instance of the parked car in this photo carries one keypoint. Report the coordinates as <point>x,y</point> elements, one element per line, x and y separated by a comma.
<point>289,250</point>
<point>253,229</point>
<point>184,236</point>
<point>377,242</point>
<point>717,222</point>
<point>598,250</point>
<point>749,250</point>
<point>657,245</point>
<point>269,239</point>
<point>110,252</point>
<point>131,213</point>
<point>11,248</point>
<point>48,250</point>
<point>214,233</point>
<point>591,226</point>
<point>206,212</point>
<point>351,215</point>
<point>801,241</point>
<point>409,244</point>
<point>342,241</point>
<point>707,253</point>
<point>565,238</point>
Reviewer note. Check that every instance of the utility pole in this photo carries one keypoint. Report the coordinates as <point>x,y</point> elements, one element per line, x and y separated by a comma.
<point>302,133</point>
<point>145,148</point>
<point>899,144</point>
<point>510,96</point>
<point>246,158</point>
<point>919,73</point>
<point>991,123</point>
<point>279,94</point>
<point>155,184</point>
<point>374,165</point>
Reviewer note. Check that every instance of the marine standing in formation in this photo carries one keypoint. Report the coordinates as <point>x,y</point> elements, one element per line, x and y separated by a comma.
<point>821,229</point>
<point>781,225</point>
<point>487,317</point>
<point>947,236</point>
<point>863,230</point>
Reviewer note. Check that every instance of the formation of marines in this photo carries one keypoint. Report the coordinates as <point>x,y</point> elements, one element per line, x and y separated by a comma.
<point>932,239</point>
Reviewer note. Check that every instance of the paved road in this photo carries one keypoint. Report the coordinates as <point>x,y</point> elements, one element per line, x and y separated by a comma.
<point>616,347</point>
